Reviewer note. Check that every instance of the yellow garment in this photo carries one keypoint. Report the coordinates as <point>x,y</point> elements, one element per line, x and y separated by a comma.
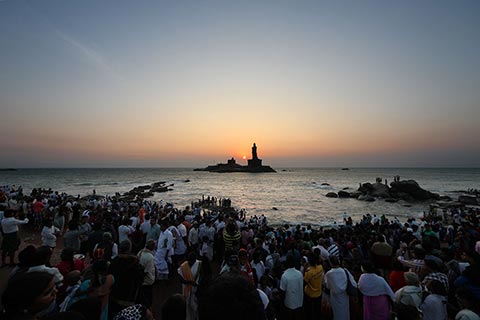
<point>313,281</point>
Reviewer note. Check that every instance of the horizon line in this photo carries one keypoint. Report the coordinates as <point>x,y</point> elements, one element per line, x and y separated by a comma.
<point>281,167</point>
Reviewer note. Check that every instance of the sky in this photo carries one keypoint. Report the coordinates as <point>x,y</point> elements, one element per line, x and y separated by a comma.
<point>192,83</point>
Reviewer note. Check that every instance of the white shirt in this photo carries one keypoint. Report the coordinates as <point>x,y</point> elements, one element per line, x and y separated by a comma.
<point>48,236</point>
<point>135,221</point>
<point>147,260</point>
<point>123,232</point>
<point>259,268</point>
<point>10,225</point>
<point>145,226</point>
<point>434,307</point>
<point>180,246</point>
<point>292,283</point>
<point>182,230</point>
<point>466,314</point>
<point>336,280</point>
<point>264,298</point>
<point>57,276</point>
<point>324,254</point>
<point>193,236</point>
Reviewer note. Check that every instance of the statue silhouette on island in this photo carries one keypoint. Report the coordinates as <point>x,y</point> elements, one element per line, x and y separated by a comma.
<point>254,151</point>
<point>254,165</point>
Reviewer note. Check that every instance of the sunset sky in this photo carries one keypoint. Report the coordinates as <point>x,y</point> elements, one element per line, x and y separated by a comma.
<point>191,83</point>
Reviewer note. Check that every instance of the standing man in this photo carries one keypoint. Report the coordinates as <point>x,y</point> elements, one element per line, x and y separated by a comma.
<point>49,234</point>
<point>154,229</point>
<point>291,285</point>
<point>10,240</point>
<point>313,288</point>
<point>85,228</point>
<point>163,255</point>
<point>181,240</point>
<point>189,272</point>
<point>382,256</point>
<point>147,260</point>
<point>193,238</point>
<point>336,281</point>
<point>125,230</point>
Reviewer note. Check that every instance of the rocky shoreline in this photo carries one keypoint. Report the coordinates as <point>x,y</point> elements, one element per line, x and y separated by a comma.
<point>408,191</point>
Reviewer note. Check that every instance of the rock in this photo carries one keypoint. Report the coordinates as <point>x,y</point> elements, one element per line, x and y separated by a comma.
<point>355,194</point>
<point>346,188</point>
<point>157,184</point>
<point>366,188</point>
<point>274,208</point>
<point>159,189</point>
<point>380,190</point>
<point>325,184</point>
<point>365,197</point>
<point>343,194</point>
<point>469,200</point>
<point>411,188</point>
<point>331,195</point>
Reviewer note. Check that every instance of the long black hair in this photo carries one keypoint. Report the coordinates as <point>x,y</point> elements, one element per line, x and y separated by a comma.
<point>22,290</point>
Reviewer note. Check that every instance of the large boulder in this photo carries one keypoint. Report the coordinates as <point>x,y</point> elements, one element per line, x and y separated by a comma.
<point>411,188</point>
<point>380,190</point>
<point>331,195</point>
<point>366,188</point>
<point>355,194</point>
<point>343,194</point>
<point>376,189</point>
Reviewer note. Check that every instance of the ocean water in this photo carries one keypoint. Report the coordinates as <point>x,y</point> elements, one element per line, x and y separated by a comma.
<point>296,193</point>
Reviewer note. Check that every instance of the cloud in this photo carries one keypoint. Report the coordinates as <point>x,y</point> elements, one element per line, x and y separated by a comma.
<point>92,56</point>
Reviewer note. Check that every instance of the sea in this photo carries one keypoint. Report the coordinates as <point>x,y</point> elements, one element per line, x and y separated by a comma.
<point>292,195</point>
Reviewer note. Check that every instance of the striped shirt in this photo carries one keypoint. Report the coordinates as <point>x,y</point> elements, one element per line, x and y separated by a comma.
<point>415,265</point>
<point>232,241</point>
<point>333,250</point>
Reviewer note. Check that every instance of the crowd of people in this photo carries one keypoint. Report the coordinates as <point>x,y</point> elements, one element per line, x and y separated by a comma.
<point>230,265</point>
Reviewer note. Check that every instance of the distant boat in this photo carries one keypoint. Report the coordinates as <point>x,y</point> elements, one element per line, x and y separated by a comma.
<point>345,169</point>
<point>8,169</point>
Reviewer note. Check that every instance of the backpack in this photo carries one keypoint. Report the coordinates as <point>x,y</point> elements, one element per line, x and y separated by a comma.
<point>351,290</point>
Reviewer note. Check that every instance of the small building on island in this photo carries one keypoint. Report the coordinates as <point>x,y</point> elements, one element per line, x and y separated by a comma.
<point>254,165</point>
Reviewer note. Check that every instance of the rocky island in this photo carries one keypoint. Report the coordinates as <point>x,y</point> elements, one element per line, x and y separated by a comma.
<point>254,165</point>
<point>407,190</point>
